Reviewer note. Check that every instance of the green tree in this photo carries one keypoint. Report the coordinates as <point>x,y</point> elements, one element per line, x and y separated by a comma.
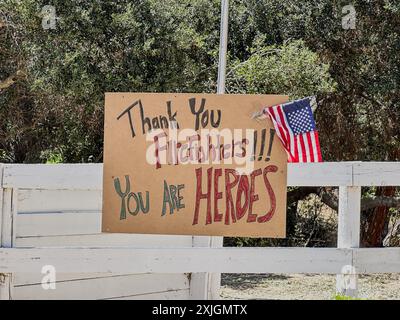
<point>98,47</point>
<point>290,68</point>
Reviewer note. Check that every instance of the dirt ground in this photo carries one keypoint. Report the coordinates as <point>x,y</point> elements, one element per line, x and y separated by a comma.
<point>308,287</point>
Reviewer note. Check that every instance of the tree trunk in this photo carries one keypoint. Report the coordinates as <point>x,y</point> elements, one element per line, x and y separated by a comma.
<point>376,221</point>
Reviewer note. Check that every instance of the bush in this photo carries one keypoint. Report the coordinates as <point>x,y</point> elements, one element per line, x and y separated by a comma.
<point>309,224</point>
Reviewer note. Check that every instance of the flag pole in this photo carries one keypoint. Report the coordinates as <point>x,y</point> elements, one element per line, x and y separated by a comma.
<point>213,280</point>
<point>223,45</point>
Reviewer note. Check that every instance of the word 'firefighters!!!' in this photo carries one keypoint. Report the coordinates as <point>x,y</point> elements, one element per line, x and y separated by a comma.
<point>245,195</point>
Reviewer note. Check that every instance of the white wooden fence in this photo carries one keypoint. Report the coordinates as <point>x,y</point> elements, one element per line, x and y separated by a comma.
<point>50,215</point>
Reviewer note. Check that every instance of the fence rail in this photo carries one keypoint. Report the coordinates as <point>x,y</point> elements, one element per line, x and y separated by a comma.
<point>47,206</point>
<point>198,260</point>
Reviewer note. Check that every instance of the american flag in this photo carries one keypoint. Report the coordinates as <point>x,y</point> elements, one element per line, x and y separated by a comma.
<point>295,127</point>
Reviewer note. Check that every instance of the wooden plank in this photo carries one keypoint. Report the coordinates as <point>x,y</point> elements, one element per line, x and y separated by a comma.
<point>89,176</point>
<point>215,278</point>
<point>205,286</point>
<point>7,219</point>
<point>165,295</point>
<point>199,282</point>
<point>29,278</point>
<point>6,286</point>
<point>348,236</point>
<point>377,260</point>
<point>320,174</point>
<point>4,281</point>
<point>1,202</point>
<point>103,288</point>
<point>232,260</point>
<point>176,260</point>
<point>376,174</point>
<point>33,200</point>
<point>41,229</point>
<point>107,240</point>
<point>49,176</point>
<point>62,223</point>
<point>7,239</point>
<point>349,217</point>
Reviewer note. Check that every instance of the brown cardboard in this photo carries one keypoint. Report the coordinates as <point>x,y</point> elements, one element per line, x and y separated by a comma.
<point>125,149</point>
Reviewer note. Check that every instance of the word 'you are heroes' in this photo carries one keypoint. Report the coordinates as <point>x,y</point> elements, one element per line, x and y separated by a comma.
<point>237,191</point>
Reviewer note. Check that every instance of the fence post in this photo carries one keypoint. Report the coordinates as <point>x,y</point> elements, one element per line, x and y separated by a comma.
<point>348,236</point>
<point>215,278</point>
<point>204,285</point>
<point>8,201</point>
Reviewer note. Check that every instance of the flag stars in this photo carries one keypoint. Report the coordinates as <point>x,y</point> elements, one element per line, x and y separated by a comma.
<point>300,121</point>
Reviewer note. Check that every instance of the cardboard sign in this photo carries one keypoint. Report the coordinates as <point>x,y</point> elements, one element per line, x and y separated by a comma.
<point>194,164</point>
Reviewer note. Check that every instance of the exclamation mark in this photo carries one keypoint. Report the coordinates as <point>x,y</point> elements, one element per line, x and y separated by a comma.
<point>254,145</point>
<point>271,140</point>
<point>263,134</point>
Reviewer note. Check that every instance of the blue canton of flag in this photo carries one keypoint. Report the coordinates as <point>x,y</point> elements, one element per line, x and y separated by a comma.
<point>300,117</point>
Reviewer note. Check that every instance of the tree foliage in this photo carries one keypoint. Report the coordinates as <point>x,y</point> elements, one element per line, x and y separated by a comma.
<point>290,68</point>
<point>57,78</point>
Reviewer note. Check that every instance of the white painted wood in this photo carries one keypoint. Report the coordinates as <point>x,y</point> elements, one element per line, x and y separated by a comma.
<point>39,201</point>
<point>76,195</point>
<point>1,202</point>
<point>320,174</point>
<point>166,295</point>
<point>4,278</point>
<point>103,288</point>
<point>1,176</point>
<point>78,223</point>
<point>4,295</point>
<point>377,260</point>
<point>215,278</point>
<point>89,176</point>
<point>376,174</point>
<point>107,240</point>
<point>49,176</point>
<point>29,278</point>
<point>7,219</point>
<point>176,260</point>
<point>62,223</point>
<point>199,282</point>
<point>348,236</point>
<point>7,239</point>
<point>349,217</point>
<point>205,285</point>
<point>5,286</point>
